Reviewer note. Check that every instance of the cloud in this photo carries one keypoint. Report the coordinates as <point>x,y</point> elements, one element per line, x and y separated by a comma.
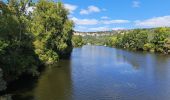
<point>118,28</point>
<point>84,21</point>
<point>105,28</point>
<point>163,21</point>
<point>90,9</point>
<point>115,21</point>
<point>136,4</point>
<point>70,7</point>
<point>95,21</point>
<point>104,17</point>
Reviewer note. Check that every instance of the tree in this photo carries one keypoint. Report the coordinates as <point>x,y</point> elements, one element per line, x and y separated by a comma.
<point>141,39</point>
<point>16,50</point>
<point>52,31</point>
<point>159,39</point>
<point>111,41</point>
<point>77,41</point>
<point>135,40</point>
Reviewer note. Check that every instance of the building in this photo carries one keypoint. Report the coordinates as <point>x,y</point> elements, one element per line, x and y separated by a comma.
<point>100,33</point>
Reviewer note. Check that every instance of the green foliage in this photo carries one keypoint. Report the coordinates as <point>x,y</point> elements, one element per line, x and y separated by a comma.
<point>148,47</point>
<point>77,41</point>
<point>26,41</point>
<point>16,50</point>
<point>99,40</point>
<point>52,30</point>
<point>153,40</point>
<point>134,40</point>
<point>111,41</point>
<point>159,39</point>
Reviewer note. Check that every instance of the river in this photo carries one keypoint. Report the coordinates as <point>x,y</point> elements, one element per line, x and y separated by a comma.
<point>103,73</point>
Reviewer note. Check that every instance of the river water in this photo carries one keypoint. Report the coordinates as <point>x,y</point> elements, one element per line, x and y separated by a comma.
<point>103,73</point>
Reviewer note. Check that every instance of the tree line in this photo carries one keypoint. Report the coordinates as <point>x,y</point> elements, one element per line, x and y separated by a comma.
<point>155,40</point>
<point>152,40</point>
<point>28,40</point>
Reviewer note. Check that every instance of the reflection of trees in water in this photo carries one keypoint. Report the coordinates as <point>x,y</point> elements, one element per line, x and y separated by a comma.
<point>154,65</point>
<point>139,59</point>
<point>55,83</point>
<point>2,82</point>
<point>5,97</point>
<point>22,88</point>
<point>133,58</point>
<point>161,64</point>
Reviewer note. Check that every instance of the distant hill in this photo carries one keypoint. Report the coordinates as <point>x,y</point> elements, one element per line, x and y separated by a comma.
<point>113,32</point>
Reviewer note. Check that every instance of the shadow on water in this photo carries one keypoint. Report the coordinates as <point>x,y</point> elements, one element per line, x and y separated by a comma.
<point>44,88</point>
<point>100,73</point>
<point>55,83</point>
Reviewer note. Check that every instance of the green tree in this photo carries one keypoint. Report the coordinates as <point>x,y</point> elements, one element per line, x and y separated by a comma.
<point>52,31</point>
<point>16,50</point>
<point>159,39</point>
<point>77,41</point>
<point>111,41</point>
<point>141,39</point>
<point>135,40</point>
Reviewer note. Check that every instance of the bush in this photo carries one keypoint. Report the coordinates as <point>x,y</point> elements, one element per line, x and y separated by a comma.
<point>148,47</point>
<point>77,41</point>
<point>111,41</point>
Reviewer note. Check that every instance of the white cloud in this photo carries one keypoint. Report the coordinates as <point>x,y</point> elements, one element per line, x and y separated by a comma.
<point>95,21</point>
<point>104,17</point>
<point>70,7</point>
<point>136,4</point>
<point>163,21</point>
<point>105,28</point>
<point>115,21</point>
<point>84,21</point>
<point>118,28</point>
<point>90,9</point>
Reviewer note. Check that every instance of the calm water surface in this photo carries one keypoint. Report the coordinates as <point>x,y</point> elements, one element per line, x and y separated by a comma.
<point>103,73</point>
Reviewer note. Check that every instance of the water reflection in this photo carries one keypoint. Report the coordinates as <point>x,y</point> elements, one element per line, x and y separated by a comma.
<point>55,83</point>
<point>103,73</point>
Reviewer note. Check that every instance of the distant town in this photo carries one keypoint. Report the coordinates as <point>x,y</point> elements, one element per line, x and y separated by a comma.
<point>100,33</point>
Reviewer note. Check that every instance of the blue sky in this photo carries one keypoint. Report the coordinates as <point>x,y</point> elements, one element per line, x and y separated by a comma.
<point>104,15</point>
<point>101,15</point>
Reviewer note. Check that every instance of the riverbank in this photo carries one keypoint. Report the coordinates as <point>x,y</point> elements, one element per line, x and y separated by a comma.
<point>152,40</point>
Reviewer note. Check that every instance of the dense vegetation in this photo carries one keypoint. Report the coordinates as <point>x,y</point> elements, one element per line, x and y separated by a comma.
<point>54,33</point>
<point>28,40</point>
<point>93,40</point>
<point>156,41</point>
<point>153,40</point>
<point>77,41</point>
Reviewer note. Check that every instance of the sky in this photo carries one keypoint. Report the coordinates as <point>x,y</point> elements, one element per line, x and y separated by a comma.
<point>105,15</point>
